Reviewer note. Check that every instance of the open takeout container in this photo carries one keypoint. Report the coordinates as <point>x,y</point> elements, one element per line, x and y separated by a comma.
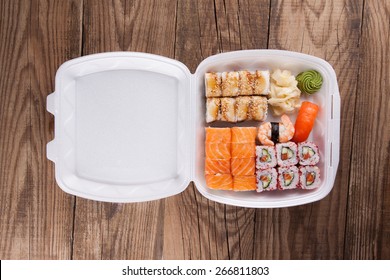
<point>129,127</point>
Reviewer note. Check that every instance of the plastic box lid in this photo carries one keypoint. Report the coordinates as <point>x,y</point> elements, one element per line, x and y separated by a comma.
<point>129,127</point>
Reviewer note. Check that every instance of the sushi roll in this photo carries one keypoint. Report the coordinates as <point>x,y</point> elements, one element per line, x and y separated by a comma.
<point>309,177</point>
<point>217,166</point>
<point>213,109</point>
<point>219,181</point>
<point>308,153</point>
<point>213,84</point>
<point>227,109</point>
<point>215,150</point>
<point>244,183</point>
<point>267,179</point>
<point>243,166</point>
<point>244,135</point>
<point>265,157</point>
<point>286,154</point>
<point>261,83</point>
<point>218,135</point>
<point>242,108</point>
<point>243,150</point>
<point>230,84</point>
<point>288,178</point>
<point>246,82</point>
<point>258,108</point>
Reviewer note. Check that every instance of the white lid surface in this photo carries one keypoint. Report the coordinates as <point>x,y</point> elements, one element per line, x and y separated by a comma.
<point>121,127</point>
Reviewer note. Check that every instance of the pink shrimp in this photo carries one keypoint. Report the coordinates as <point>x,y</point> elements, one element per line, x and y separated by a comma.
<point>286,131</point>
<point>264,134</point>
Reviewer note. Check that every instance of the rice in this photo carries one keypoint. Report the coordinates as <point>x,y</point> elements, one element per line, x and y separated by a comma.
<point>286,154</point>
<point>288,178</point>
<point>309,177</point>
<point>308,153</point>
<point>267,179</point>
<point>265,157</point>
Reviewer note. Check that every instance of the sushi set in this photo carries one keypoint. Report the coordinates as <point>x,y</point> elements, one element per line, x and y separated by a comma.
<point>253,128</point>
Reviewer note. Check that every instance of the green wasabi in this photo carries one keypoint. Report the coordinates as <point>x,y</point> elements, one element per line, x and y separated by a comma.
<point>309,81</point>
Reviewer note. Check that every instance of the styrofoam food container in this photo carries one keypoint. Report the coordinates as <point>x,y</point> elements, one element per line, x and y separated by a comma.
<point>129,127</point>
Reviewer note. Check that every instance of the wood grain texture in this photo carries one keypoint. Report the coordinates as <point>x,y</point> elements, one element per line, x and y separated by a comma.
<point>124,231</point>
<point>150,27</point>
<point>368,227</point>
<point>39,221</point>
<point>37,217</point>
<point>103,26</point>
<point>54,38</point>
<point>330,30</point>
<point>15,130</point>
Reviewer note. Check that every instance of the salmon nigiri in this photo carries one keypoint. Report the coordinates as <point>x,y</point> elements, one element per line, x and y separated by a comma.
<point>305,121</point>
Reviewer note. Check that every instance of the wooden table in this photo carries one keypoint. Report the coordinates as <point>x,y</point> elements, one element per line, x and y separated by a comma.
<point>39,221</point>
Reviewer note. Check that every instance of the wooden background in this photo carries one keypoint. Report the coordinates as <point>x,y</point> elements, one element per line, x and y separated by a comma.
<point>39,221</point>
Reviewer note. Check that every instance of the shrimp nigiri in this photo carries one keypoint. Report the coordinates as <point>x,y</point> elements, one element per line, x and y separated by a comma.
<point>271,133</point>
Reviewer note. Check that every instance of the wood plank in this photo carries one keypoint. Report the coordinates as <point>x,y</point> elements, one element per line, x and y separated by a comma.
<point>103,26</point>
<point>55,37</point>
<point>103,29</point>
<point>150,27</point>
<point>37,215</point>
<point>15,129</point>
<point>124,231</point>
<point>212,230</point>
<point>330,30</point>
<point>368,228</point>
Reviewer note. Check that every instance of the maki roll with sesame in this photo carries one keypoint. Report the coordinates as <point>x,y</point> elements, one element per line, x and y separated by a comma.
<point>258,108</point>
<point>288,178</point>
<point>227,112</point>
<point>265,157</point>
<point>230,84</point>
<point>308,153</point>
<point>242,108</point>
<point>286,154</point>
<point>261,82</point>
<point>246,82</point>
<point>267,179</point>
<point>213,84</point>
<point>309,177</point>
<point>213,105</point>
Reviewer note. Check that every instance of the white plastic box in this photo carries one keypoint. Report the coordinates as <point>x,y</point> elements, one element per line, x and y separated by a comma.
<point>129,127</point>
